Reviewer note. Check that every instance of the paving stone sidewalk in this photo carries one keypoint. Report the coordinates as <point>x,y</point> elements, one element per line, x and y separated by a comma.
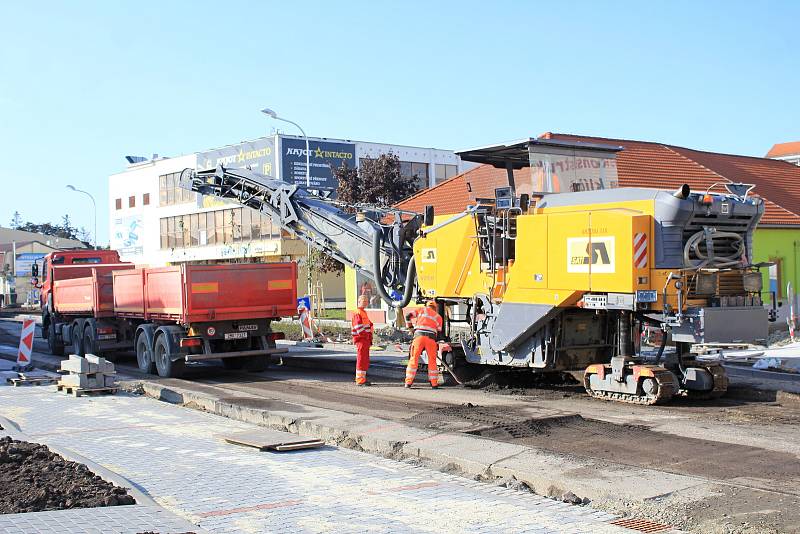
<point>176,456</point>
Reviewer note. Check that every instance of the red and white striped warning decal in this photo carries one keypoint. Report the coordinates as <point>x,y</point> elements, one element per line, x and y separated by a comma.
<point>305,322</point>
<point>26,343</point>
<point>640,250</point>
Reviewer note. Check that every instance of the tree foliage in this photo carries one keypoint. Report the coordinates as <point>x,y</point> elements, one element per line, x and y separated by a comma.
<point>378,181</point>
<point>64,230</point>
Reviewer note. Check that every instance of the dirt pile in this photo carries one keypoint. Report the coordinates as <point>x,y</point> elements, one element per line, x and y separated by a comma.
<point>33,479</point>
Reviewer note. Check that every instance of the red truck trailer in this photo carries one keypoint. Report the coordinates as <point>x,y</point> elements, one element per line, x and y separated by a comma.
<point>169,315</point>
<point>200,312</point>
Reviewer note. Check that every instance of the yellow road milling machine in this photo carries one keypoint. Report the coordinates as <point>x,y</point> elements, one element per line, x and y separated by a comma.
<point>559,272</point>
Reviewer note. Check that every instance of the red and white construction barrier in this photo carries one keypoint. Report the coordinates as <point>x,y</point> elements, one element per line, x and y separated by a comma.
<point>305,322</point>
<point>26,343</point>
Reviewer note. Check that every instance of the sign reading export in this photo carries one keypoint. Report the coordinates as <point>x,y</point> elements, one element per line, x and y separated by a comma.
<point>323,157</point>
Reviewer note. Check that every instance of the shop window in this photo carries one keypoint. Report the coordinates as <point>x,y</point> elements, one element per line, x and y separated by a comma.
<point>169,193</point>
<point>444,172</point>
<point>775,278</point>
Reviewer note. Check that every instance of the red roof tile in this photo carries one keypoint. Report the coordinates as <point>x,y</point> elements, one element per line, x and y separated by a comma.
<point>784,149</point>
<point>643,164</point>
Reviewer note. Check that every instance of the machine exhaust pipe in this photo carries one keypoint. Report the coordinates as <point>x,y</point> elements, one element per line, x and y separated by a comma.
<point>682,192</point>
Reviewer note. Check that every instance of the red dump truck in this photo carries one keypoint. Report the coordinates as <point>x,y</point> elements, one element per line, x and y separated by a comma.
<point>169,315</point>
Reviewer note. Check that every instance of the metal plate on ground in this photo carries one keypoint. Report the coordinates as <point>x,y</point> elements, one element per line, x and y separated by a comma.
<point>265,439</point>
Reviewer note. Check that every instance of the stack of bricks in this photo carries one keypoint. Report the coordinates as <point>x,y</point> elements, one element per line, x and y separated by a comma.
<point>87,372</point>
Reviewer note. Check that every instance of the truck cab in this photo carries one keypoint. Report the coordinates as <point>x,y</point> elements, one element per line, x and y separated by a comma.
<point>78,258</point>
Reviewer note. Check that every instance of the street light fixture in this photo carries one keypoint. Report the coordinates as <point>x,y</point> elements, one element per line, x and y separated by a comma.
<point>94,206</point>
<point>270,113</point>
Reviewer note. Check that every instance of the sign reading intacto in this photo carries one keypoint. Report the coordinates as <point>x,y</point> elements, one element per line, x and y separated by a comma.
<point>323,156</point>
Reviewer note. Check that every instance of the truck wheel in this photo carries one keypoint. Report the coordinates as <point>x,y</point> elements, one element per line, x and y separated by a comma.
<point>144,355</point>
<point>165,366</point>
<point>56,347</point>
<point>77,340</point>
<point>256,364</point>
<point>89,346</point>
<point>233,364</point>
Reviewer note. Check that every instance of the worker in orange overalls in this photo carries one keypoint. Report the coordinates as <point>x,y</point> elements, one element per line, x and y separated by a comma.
<point>362,338</point>
<point>427,326</point>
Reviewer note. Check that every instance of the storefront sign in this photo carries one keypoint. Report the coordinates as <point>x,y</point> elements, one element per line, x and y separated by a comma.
<point>323,157</point>
<point>257,155</point>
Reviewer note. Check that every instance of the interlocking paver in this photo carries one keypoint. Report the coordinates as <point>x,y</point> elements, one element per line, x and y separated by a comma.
<point>176,456</point>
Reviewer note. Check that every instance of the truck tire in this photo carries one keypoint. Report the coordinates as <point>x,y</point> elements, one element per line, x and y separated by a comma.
<point>76,334</point>
<point>53,343</point>
<point>164,365</point>
<point>144,354</point>
<point>89,345</point>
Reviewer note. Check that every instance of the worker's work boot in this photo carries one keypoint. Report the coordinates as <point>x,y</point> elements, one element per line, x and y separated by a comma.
<point>362,384</point>
<point>407,386</point>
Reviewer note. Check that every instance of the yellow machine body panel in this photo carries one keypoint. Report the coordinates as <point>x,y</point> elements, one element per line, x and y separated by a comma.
<point>559,255</point>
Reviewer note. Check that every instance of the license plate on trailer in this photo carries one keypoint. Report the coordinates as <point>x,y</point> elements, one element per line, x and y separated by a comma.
<point>103,337</point>
<point>236,335</point>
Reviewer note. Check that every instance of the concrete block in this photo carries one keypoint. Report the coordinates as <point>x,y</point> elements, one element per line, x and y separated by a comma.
<point>78,364</point>
<point>103,365</point>
<point>86,381</point>
<point>109,381</point>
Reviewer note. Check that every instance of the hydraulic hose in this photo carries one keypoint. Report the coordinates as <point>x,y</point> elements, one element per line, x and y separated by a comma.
<point>377,242</point>
<point>710,259</point>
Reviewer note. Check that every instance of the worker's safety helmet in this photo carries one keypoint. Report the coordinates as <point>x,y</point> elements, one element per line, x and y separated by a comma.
<point>431,304</point>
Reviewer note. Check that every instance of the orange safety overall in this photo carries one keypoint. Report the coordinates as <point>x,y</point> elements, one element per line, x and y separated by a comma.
<point>362,338</point>
<point>427,325</point>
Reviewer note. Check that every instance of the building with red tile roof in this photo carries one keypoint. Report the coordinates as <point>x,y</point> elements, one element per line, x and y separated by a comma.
<point>786,151</point>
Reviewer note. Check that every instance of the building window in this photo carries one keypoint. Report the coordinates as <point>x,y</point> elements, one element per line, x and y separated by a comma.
<point>131,202</point>
<point>146,199</point>
<point>118,204</point>
<point>169,193</point>
<point>445,172</point>
<point>419,171</point>
<point>221,227</point>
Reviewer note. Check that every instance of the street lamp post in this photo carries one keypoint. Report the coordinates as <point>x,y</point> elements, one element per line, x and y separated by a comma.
<point>274,115</point>
<point>94,206</point>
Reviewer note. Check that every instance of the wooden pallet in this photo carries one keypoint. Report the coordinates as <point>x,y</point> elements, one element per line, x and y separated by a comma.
<point>32,381</point>
<point>72,390</point>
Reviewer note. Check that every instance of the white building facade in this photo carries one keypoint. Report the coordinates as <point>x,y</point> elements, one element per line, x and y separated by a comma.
<point>154,222</point>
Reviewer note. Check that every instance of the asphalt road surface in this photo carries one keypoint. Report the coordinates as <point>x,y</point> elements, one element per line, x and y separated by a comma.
<point>750,448</point>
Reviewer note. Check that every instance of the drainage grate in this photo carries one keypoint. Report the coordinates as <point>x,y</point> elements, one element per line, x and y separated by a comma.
<point>642,525</point>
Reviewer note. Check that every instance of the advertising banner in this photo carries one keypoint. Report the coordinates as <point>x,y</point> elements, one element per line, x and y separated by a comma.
<point>127,235</point>
<point>257,155</point>
<point>26,259</point>
<point>324,156</point>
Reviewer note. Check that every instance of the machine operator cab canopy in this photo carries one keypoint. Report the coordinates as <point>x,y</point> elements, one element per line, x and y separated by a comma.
<point>552,166</point>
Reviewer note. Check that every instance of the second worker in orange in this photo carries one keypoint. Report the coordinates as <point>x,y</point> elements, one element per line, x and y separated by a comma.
<point>427,326</point>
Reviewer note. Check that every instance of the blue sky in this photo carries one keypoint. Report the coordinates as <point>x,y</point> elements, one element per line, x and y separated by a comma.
<point>82,84</point>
